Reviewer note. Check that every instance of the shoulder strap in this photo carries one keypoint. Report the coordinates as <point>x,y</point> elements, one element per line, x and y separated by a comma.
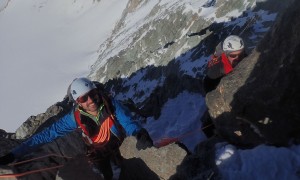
<point>78,120</point>
<point>108,103</point>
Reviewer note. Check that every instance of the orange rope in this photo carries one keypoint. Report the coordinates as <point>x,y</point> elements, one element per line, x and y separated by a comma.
<point>167,140</point>
<point>41,157</point>
<point>29,172</point>
<point>192,132</point>
<point>33,171</point>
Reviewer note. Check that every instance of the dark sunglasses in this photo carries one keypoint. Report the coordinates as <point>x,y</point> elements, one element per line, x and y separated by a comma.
<point>92,94</point>
<point>235,55</point>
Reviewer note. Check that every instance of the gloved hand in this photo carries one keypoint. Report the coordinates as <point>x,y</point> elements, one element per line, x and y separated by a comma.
<point>143,140</point>
<point>6,159</point>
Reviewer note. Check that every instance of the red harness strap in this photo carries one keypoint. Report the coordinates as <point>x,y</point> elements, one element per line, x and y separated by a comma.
<point>77,118</point>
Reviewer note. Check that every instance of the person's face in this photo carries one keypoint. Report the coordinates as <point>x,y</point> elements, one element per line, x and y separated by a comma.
<point>89,102</point>
<point>235,57</point>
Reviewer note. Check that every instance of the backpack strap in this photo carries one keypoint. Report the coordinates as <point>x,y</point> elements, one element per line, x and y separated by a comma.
<point>78,120</point>
<point>108,103</point>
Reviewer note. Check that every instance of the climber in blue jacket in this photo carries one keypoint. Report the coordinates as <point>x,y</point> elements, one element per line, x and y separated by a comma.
<point>104,122</point>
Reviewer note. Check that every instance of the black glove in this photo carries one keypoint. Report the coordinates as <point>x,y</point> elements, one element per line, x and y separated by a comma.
<point>8,158</point>
<point>143,140</point>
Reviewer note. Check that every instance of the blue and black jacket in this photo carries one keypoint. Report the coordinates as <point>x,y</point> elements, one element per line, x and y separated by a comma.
<point>68,124</point>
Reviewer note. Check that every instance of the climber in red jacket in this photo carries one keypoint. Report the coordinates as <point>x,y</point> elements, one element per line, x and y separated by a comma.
<point>227,55</point>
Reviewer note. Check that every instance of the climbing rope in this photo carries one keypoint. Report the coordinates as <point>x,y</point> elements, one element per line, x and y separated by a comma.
<point>15,175</point>
<point>167,140</point>
<point>249,23</point>
<point>41,157</point>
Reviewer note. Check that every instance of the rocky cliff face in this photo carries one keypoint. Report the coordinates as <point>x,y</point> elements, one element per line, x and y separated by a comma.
<point>258,102</point>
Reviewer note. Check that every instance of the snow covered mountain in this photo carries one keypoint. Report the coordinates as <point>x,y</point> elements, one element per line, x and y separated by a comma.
<point>157,54</point>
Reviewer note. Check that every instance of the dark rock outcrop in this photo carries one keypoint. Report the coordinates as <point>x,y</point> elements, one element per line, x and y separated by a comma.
<point>77,168</point>
<point>201,164</point>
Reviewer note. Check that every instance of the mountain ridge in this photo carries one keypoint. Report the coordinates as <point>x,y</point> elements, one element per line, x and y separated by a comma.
<point>173,78</point>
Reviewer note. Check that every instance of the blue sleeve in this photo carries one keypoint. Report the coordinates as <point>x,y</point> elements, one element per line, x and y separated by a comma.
<point>60,128</point>
<point>124,117</point>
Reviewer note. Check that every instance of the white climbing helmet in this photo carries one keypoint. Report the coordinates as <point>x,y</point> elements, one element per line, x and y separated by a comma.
<point>81,86</point>
<point>233,43</point>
